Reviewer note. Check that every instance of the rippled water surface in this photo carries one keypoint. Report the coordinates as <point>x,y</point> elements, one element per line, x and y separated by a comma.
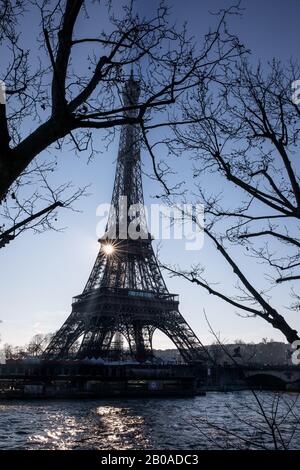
<point>217,419</point>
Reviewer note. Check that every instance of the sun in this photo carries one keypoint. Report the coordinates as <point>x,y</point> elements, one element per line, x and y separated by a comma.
<point>108,249</point>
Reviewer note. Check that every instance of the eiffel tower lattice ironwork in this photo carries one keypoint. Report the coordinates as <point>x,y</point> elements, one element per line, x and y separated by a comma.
<point>125,294</point>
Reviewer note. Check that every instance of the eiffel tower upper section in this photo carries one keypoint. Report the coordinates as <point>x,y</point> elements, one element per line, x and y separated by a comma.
<point>132,264</point>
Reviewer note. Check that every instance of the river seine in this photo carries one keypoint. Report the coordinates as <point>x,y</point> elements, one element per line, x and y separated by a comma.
<point>217,420</point>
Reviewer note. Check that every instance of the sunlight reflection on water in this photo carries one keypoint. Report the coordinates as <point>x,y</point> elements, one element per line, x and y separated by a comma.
<point>132,424</point>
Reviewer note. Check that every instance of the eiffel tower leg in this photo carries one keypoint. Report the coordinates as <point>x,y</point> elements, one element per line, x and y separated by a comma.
<point>96,343</point>
<point>177,329</point>
<point>140,346</point>
<point>60,345</point>
<point>139,338</point>
<point>147,336</point>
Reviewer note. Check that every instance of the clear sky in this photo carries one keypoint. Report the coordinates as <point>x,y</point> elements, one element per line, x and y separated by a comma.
<point>40,273</point>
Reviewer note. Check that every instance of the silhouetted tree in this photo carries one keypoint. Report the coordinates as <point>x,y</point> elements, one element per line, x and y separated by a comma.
<point>70,84</point>
<point>37,344</point>
<point>244,135</point>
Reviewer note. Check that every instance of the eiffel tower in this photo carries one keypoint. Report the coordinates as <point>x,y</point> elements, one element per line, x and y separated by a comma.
<point>125,294</point>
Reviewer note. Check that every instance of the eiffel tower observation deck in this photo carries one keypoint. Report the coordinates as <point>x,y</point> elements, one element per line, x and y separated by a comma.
<point>125,298</point>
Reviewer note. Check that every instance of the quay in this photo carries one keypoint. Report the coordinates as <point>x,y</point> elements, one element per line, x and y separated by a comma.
<point>85,379</point>
<point>91,379</point>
